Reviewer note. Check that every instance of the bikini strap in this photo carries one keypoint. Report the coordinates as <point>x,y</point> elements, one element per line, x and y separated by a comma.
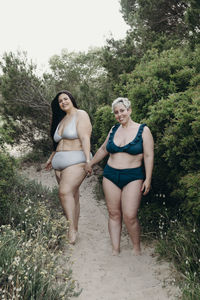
<point>141,128</point>
<point>114,128</point>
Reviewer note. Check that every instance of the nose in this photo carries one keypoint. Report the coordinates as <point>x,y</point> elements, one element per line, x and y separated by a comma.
<point>64,101</point>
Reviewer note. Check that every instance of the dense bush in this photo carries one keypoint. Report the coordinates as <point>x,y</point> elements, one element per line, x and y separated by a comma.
<point>7,182</point>
<point>175,125</point>
<point>158,75</point>
<point>103,121</point>
<point>189,191</point>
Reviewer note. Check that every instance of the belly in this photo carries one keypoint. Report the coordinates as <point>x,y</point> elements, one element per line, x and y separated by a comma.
<point>122,160</point>
<point>69,145</point>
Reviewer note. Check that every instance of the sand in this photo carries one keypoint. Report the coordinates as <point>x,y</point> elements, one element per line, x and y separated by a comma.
<point>99,274</point>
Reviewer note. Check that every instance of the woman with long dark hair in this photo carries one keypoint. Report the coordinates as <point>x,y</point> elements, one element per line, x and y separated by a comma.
<point>71,132</point>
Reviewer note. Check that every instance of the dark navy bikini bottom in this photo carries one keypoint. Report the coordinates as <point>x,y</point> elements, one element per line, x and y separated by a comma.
<point>121,177</point>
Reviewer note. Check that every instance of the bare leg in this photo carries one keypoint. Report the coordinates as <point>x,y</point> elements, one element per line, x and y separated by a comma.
<point>131,196</point>
<point>113,200</point>
<point>77,209</point>
<point>71,179</point>
<point>57,173</point>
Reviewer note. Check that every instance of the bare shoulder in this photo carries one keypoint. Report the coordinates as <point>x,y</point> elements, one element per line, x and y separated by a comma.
<point>146,129</point>
<point>82,114</point>
<point>147,135</point>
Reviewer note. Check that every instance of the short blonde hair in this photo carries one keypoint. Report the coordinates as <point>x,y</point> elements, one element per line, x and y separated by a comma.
<point>122,100</point>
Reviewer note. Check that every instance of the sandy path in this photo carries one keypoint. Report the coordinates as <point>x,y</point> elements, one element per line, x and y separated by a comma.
<point>101,275</point>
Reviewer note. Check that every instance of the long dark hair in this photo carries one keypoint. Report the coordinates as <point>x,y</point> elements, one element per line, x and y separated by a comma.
<point>58,114</point>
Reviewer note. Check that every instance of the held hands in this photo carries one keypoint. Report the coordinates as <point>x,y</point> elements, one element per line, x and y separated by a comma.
<point>88,168</point>
<point>146,187</point>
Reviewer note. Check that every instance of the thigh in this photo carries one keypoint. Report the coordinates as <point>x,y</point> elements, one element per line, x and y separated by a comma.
<point>72,177</point>
<point>57,173</point>
<point>131,197</point>
<point>112,194</point>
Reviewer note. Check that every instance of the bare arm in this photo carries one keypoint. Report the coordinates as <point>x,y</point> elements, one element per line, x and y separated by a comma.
<point>84,129</point>
<point>48,165</point>
<point>99,155</point>
<point>148,146</point>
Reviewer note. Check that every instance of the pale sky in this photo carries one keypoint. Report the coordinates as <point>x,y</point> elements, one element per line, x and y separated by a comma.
<point>45,27</point>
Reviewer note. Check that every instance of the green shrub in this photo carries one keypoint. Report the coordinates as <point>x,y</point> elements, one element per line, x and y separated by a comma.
<point>175,125</point>
<point>31,245</point>
<point>158,75</point>
<point>103,121</point>
<point>180,246</point>
<point>7,182</point>
<point>189,191</point>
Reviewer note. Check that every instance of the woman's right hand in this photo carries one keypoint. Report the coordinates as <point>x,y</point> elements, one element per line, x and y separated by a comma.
<point>48,165</point>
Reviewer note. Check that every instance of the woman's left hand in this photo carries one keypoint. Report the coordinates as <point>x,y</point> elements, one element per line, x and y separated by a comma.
<point>146,187</point>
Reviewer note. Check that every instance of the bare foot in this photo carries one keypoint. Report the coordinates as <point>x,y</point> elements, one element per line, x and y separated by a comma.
<point>137,252</point>
<point>115,252</point>
<point>72,236</point>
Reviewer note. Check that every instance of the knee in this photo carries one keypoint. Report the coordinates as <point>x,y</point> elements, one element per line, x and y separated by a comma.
<point>64,192</point>
<point>130,219</point>
<point>115,215</point>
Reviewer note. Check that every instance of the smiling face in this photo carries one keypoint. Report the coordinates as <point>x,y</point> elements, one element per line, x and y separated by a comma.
<point>122,114</point>
<point>65,102</point>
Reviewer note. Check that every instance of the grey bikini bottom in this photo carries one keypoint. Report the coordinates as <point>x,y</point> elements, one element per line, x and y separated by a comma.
<point>64,159</point>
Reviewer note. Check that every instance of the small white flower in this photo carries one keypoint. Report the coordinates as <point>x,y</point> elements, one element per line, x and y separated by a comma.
<point>10,277</point>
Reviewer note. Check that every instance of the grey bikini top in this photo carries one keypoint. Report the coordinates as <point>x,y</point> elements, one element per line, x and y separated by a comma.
<point>69,131</point>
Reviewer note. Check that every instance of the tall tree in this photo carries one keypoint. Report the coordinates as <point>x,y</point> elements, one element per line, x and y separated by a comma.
<point>83,74</point>
<point>172,18</point>
<point>24,106</point>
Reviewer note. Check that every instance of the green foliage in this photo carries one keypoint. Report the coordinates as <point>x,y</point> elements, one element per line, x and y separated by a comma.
<point>159,75</point>
<point>33,232</point>
<point>5,136</point>
<point>172,18</point>
<point>120,57</point>
<point>83,75</point>
<point>180,245</point>
<point>175,240</point>
<point>30,246</point>
<point>175,126</point>
<point>7,181</point>
<point>25,107</point>
<point>189,191</point>
<point>103,121</point>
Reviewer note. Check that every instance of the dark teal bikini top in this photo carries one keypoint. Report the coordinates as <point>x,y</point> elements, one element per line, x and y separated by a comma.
<point>135,147</point>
